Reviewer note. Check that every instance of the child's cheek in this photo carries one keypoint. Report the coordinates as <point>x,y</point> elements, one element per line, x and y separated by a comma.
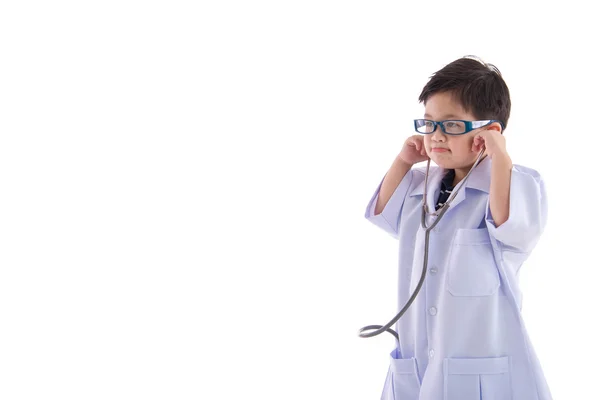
<point>427,141</point>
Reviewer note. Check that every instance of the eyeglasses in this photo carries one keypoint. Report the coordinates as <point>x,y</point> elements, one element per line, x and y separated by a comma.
<point>451,126</point>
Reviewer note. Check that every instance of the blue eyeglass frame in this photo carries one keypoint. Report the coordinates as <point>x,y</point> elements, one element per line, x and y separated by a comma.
<point>468,125</point>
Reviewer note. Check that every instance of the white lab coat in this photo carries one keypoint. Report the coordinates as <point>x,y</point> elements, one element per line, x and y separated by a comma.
<point>464,337</point>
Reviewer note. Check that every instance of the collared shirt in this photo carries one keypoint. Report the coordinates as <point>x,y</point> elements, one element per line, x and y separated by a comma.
<point>446,189</point>
<point>463,337</point>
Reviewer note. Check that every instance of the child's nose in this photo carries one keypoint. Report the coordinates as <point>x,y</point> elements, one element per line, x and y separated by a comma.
<point>438,135</point>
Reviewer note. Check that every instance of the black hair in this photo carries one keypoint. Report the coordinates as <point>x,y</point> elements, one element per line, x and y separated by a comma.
<point>476,85</point>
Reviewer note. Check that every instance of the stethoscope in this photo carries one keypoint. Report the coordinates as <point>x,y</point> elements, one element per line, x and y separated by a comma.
<point>438,214</point>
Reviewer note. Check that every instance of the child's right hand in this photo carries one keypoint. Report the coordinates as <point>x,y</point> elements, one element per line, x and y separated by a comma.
<point>413,150</point>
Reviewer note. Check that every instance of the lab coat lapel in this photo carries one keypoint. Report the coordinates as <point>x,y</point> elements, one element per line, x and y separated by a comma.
<point>460,196</point>
<point>479,179</point>
<point>433,188</point>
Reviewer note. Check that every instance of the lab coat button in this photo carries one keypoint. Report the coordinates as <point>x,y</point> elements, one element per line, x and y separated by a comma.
<point>431,353</point>
<point>433,271</point>
<point>433,311</point>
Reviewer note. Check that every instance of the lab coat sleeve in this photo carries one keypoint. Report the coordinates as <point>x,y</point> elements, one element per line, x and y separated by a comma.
<point>388,219</point>
<point>527,213</point>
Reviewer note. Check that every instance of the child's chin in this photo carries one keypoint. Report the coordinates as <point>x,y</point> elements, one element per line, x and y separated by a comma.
<point>443,163</point>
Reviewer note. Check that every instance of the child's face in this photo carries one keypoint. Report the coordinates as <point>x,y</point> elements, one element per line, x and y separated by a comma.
<point>459,151</point>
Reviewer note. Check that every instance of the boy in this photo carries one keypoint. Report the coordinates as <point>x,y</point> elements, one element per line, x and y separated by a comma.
<point>463,337</point>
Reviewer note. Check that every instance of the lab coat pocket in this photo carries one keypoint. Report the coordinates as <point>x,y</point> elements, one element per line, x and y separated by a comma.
<point>472,269</point>
<point>405,380</point>
<point>477,379</point>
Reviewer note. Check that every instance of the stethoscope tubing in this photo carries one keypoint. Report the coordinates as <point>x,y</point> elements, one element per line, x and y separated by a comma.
<point>378,329</point>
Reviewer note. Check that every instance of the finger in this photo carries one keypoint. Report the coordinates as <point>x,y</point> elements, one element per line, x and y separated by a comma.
<point>421,143</point>
<point>481,144</point>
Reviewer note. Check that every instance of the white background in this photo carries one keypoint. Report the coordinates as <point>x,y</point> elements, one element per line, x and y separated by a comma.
<point>183,184</point>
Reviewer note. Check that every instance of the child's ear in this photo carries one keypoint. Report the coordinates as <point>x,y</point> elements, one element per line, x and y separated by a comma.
<point>495,126</point>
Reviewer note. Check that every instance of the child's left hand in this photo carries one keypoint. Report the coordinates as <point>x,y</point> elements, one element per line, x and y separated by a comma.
<point>494,141</point>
